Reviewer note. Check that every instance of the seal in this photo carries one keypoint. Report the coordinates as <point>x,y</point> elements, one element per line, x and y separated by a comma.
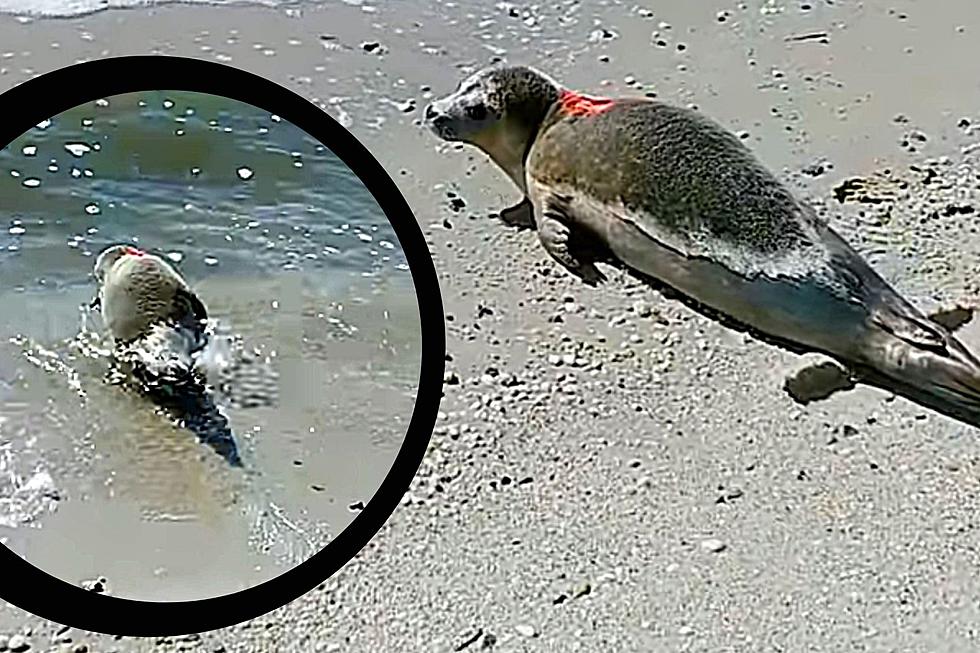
<point>158,325</point>
<point>671,197</point>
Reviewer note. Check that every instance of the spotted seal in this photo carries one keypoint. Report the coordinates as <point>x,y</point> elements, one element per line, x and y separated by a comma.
<point>158,327</point>
<point>676,199</point>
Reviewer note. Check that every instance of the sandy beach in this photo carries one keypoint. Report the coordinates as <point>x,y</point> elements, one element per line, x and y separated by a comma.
<point>610,470</point>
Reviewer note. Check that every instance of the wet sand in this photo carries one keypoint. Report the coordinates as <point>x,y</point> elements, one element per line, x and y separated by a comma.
<point>661,491</point>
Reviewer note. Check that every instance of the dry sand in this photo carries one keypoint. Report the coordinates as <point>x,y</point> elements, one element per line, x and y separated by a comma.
<point>612,471</point>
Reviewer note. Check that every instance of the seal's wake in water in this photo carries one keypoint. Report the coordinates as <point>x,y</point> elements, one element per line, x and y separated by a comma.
<point>173,382</point>
<point>86,363</point>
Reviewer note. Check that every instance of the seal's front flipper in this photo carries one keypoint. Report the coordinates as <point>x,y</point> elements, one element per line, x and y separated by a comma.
<point>519,216</point>
<point>566,244</point>
<point>953,318</point>
<point>818,381</point>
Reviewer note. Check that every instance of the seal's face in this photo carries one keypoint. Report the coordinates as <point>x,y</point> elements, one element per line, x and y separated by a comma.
<point>109,256</point>
<point>470,110</point>
<point>104,263</point>
<point>498,110</point>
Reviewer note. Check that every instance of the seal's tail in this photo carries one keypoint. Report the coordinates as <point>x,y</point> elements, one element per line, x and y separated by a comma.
<point>922,361</point>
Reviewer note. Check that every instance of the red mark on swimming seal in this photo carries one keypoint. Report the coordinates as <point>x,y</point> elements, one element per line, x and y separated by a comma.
<point>132,251</point>
<point>577,104</point>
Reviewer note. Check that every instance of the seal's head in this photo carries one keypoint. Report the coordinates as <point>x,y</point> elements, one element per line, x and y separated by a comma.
<point>104,262</point>
<point>108,257</point>
<point>499,110</point>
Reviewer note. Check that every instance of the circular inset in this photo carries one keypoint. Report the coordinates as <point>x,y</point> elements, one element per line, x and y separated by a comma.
<point>177,91</point>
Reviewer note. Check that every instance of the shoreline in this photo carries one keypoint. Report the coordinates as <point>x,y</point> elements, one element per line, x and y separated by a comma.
<point>28,15</point>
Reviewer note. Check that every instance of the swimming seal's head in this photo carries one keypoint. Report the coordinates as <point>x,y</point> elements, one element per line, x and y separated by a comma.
<point>138,290</point>
<point>499,110</point>
<point>109,256</point>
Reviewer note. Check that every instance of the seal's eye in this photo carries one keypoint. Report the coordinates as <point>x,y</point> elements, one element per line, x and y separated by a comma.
<point>476,112</point>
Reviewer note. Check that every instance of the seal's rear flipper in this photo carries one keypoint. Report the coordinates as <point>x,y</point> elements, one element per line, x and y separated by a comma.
<point>822,380</point>
<point>818,381</point>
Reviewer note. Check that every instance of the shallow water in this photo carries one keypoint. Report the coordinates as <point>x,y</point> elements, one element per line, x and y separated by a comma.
<point>289,252</point>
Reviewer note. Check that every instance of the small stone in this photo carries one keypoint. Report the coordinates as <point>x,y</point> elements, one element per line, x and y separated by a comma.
<point>18,643</point>
<point>80,648</point>
<point>526,630</point>
<point>713,545</point>
<point>685,631</point>
<point>583,589</point>
<point>814,169</point>
<point>642,309</point>
<point>98,585</point>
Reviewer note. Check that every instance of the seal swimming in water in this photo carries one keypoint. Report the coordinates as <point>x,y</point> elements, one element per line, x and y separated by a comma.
<point>139,290</point>
<point>677,200</point>
<point>158,325</point>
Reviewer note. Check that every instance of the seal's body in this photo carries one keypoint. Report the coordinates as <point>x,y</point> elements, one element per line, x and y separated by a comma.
<point>674,197</point>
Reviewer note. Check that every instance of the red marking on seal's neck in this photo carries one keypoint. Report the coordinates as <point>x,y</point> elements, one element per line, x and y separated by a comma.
<point>132,251</point>
<point>578,104</point>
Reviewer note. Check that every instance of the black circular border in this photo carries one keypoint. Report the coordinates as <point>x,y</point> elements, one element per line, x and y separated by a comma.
<point>48,95</point>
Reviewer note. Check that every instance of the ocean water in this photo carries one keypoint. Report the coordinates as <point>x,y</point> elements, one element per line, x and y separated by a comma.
<point>295,261</point>
<point>69,8</point>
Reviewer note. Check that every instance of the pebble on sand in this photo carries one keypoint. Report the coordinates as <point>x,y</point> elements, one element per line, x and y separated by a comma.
<point>18,643</point>
<point>713,545</point>
<point>526,630</point>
